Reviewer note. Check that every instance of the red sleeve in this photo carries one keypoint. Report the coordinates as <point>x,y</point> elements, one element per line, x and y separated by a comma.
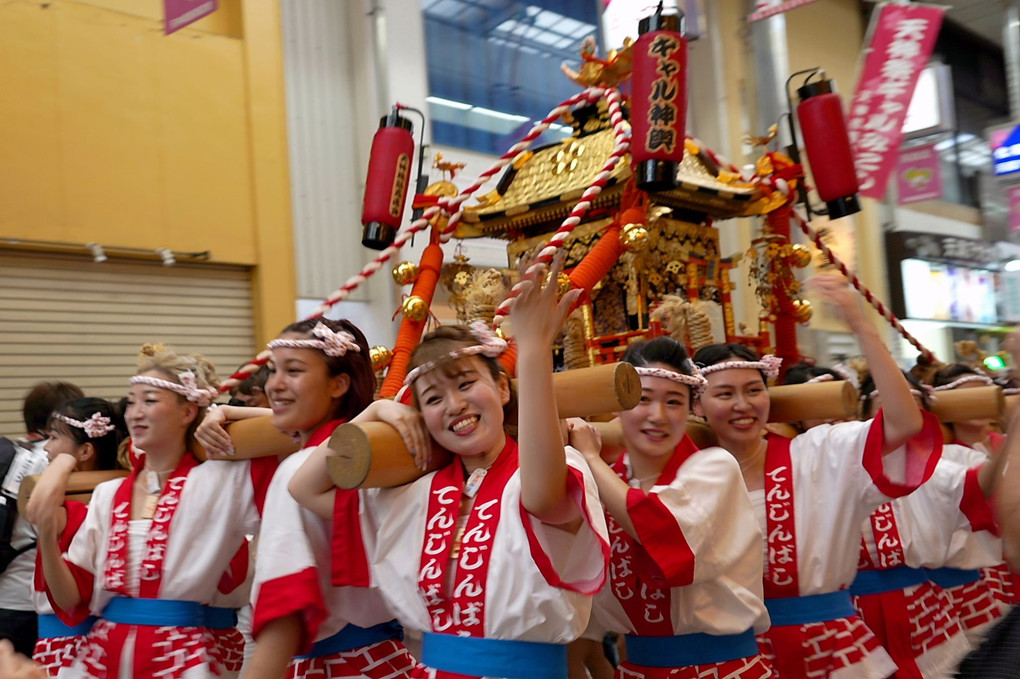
<point>76,512</point>
<point>922,451</point>
<point>350,560</point>
<point>996,440</point>
<point>85,582</point>
<point>660,535</point>
<point>975,506</point>
<point>237,570</point>
<point>297,593</point>
<point>262,470</point>
<point>575,490</point>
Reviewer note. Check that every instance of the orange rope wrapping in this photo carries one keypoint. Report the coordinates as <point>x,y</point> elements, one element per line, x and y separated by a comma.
<point>410,331</point>
<point>509,358</point>
<point>599,260</point>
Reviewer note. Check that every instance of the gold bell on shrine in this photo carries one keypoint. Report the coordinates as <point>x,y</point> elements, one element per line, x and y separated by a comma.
<point>415,308</point>
<point>380,356</point>
<point>405,273</point>
<point>634,237</point>
<point>802,310</point>
<point>800,256</point>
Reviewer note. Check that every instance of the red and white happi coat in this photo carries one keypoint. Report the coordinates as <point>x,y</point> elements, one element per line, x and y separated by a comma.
<point>292,575</point>
<point>55,653</point>
<point>696,565</point>
<point>978,605</point>
<point>1000,578</point>
<point>819,487</point>
<point>200,522</point>
<point>917,625</point>
<point>515,578</point>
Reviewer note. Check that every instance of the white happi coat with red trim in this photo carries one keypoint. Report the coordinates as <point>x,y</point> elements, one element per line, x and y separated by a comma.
<point>976,604</point>
<point>696,567</point>
<point>292,573</point>
<point>516,578</point>
<point>917,624</point>
<point>202,518</point>
<point>815,501</point>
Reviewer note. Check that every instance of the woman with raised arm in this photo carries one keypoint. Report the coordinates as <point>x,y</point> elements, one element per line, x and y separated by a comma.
<point>494,557</point>
<point>914,620</point>
<point>976,442</point>
<point>811,494</point>
<point>83,436</point>
<point>148,559</point>
<point>686,576</point>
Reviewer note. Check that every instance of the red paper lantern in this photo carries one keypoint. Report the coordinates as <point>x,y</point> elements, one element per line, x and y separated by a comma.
<point>823,127</point>
<point>389,171</point>
<point>658,110</point>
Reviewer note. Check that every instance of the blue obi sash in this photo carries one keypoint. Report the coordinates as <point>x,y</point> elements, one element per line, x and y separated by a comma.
<point>482,657</point>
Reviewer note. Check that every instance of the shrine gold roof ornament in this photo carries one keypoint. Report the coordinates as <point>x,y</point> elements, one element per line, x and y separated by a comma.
<point>608,72</point>
<point>543,185</point>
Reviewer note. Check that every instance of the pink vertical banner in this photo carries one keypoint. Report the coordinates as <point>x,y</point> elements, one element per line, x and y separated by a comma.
<point>1013,201</point>
<point>179,13</point>
<point>917,175</point>
<point>902,38</point>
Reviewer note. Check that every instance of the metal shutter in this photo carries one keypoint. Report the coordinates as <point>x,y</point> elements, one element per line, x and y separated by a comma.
<point>65,317</point>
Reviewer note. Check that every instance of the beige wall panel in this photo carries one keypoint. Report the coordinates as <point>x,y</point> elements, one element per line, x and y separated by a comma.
<point>64,317</point>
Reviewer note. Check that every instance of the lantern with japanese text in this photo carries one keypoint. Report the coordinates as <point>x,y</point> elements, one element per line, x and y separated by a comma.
<point>658,113</point>
<point>389,170</point>
<point>827,143</point>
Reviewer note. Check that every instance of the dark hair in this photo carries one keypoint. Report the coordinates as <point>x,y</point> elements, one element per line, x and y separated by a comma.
<point>254,382</point>
<point>717,353</point>
<point>82,409</point>
<point>356,364</point>
<point>43,399</point>
<point>664,350</point>
<point>868,386</point>
<point>436,347</point>
<point>802,372</point>
<point>953,372</point>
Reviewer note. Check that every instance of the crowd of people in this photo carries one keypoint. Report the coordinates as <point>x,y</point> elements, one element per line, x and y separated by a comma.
<point>855,549</point>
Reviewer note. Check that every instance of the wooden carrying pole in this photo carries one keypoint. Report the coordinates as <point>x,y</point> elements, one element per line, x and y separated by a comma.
<point>79,485</point>
<point>835,400</point>
<point>254,437</point>
<point>373,455</point>
<point>972,403</point>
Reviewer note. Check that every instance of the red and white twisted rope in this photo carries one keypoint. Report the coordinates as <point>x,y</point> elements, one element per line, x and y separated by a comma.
<point>621,132</point>
<point>856,282</point>
<point>445,206</point>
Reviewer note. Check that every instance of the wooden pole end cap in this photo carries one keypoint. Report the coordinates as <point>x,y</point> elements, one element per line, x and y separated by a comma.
<point>352,458</point>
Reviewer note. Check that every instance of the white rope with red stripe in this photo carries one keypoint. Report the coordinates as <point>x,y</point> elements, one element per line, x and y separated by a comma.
<point>621,132</point>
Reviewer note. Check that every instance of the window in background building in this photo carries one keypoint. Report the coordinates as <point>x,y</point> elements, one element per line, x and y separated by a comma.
<point>980,99</point>
<point>494,67</point>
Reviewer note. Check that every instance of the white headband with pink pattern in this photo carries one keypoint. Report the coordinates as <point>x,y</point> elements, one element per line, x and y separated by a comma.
<point>983,379</point>
<point>94,427</point>
<point>188,388</point>
<point>330,342</point>
<point>489,344</point>
<point>696,382</point>
<point>768,364</point>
